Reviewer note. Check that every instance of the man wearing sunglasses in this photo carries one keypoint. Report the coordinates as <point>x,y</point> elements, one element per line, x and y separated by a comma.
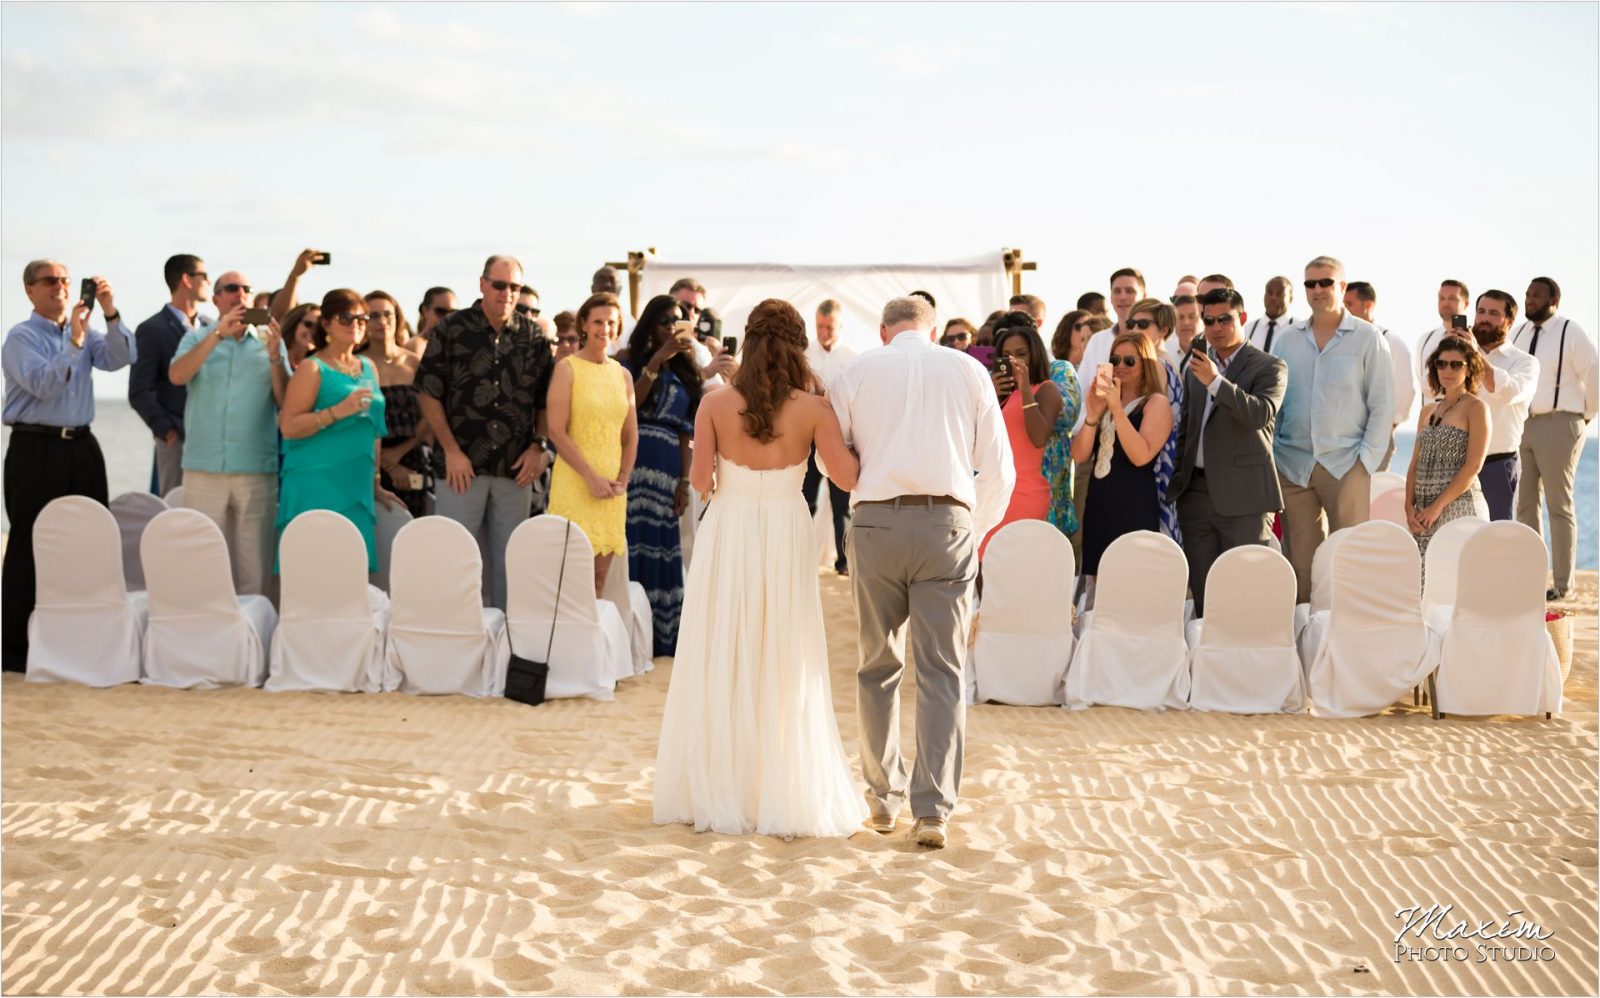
<point>1334,425</point>
<point>230,449</point>
<point>152,394</point>
<point>48,360</point>
<point>1231,396</point>
<point>482,385</point>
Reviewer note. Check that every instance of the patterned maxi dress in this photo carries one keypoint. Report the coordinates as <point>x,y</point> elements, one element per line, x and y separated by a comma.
<point>655,553</point>
<point>1167,459</point>
<point>403,417</point>
<point>1441,451</point>
<point>1058,466</point>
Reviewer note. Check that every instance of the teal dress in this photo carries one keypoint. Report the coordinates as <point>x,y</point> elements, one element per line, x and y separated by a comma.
<point>335,467</point>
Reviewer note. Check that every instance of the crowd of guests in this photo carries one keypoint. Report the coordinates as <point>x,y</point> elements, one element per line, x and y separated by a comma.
<point>1184,415</point>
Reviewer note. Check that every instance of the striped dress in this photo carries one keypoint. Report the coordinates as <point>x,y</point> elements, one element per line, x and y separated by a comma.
<point>655,554</point>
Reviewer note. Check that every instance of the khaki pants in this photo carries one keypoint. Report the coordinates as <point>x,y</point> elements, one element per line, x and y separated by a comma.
<point>1313,511</point>
<point>245,509</point>
<point>1551,444</point>
<point>913,563</point>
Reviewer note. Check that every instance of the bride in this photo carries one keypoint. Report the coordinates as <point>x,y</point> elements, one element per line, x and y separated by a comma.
<point>749,741</point>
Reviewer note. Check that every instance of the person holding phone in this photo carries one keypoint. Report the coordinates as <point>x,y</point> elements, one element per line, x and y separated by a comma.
<point>660,358</point>
<point>1127,419</point>
<point>333,425</point>
<point>230,448</point>
<point>403,460</point>
<point>287,297</point>
<point>1030,404</point>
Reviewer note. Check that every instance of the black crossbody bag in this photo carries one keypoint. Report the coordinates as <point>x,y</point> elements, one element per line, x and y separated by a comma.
<point>525,678</point>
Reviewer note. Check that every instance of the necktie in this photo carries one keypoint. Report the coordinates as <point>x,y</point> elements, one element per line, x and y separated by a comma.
<point>1533,344</point>
<point>1272,327</point>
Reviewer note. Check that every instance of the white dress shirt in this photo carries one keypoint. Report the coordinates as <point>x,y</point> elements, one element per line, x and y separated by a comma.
<point>1569,378</point>
<point>1425,348</point>
<point>1256,333</point>
<point>1516,373</point>
<point>827,363</point>
<point>925,421</point>
<point>1095,352</point>
<point>1405,390</point>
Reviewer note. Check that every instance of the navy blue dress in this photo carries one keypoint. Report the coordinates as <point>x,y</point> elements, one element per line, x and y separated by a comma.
<point>655,552</point>
<point>1124,501</point>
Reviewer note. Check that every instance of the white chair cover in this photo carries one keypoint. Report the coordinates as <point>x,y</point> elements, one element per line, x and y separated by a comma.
<point>442,639</point>
<point>1321,582</point>
<point>1494,654</point>
<point>1386,481</point>
<point>590,650</point>
<point>1390,507</point>
<point>1245,659</point>
<point>390,523</point>
<point>633,603</point>
<point>85,628</point>
<point>1132,651</point>
<point>1444,561</point>
<point>133,512</point>
<point>331,623</point>
<point>201,634</point>
<point>1024,641</point>
<point>1368,647</point>
<point>174,497</point>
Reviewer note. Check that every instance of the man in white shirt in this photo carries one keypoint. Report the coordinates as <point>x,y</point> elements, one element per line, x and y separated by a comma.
<point>1275,317</point>
<point>1030,305</point>
<point>827,356</point>
<point>1565,400</point>
<point>1453,298</point>
<point>936,475</point>
<point>1127,287</point>
<point>1360,298</point>
<point>1509,378</point>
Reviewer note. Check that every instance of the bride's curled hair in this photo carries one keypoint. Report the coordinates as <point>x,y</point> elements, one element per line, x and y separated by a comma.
<point>772,365</point>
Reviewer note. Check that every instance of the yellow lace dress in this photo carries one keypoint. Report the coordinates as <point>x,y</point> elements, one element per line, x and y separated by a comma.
<point>599,408</point>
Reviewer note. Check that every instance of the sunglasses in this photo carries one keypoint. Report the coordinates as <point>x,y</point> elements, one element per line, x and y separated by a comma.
<point>1212,320</point>
<point>1083,324</point>
<point>511,286</point>
<point>375,316</point>
<point>1125,361</point>
<point>1321,282</point>
<point>199,275</point>
<point>52,280</point>
<point>231,287</point>
<point>439,311</point>
<point>960,336</point>
<point>1449,365</point>
<point>528,309</point>
<point>1139,324</point>
<point>346,319</point>
<point>566,339</point>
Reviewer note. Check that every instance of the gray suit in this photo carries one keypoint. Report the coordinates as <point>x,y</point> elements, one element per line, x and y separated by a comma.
<point>1230,501</point>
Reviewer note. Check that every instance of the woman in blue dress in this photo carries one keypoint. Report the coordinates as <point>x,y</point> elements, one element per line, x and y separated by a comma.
<point>667,387</point>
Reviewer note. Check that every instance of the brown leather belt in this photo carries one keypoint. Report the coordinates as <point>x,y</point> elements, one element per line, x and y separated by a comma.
<point>899,501</point>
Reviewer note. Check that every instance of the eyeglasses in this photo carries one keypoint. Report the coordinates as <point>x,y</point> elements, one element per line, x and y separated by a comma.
<point>1139,324</point>
<point>1226,320</point>
<point>1321,282</point>
<point>528,309</point>
<point>52,280</point>
<point>440,311</point>
<point>346,319</point>
<point>1450,365</point>
<point>1125,361</point>
<point>511,286</point>
<point>199,275</point>
<point>232,286</point>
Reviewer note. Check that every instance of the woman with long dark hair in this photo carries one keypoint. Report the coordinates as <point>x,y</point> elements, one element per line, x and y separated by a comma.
<point>666,384</point>
<point>1452,439</point>
<point>1031,404</point>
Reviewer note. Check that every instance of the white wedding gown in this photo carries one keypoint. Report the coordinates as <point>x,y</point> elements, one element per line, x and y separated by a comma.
<point>749,741</point>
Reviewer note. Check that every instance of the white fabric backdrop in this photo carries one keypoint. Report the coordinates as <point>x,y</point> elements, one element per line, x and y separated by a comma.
<point>970,288</point>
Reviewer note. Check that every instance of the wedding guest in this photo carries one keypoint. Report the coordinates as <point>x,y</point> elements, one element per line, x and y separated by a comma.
<point>1127,287</point>
<point>1157,321</point>
<point>1275,317</point>
<point>566,333</point>
<point>402,457</point>
<point>1071,335</point>
<point>528,302</point>
<point>605,281</point>
<point>1082,469</point>
<point>1452,438</point>
<point>596,434</point>
<point>1186,313</point>
<point>716,365</point>
<point>1212,282</point>
<point>1360,299</point>
<point>230,448</point>
<point>287,297</point>
<point>437,304</point>
<point>1509,378</point>
<point>1127,424</point>
<point>667,387</point>
<point>300,325</point>
<point>958,334</point>
<point>1333,427</point>
<point>48,361</point>
<point>1188,285</point>
<point>1092,302</point>
<point>983,336</point>
<point>1030,403</point>
<point>827,356</point>
<point>482,386</point>
<point>1453,299</point>
<point>1232,391</point>
<point>1564,403</point>
<point>1033,305</point>
<point>333,424</point>
<point>152,394</point>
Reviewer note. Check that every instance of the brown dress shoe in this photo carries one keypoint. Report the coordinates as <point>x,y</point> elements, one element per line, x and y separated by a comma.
<point>929,832</point>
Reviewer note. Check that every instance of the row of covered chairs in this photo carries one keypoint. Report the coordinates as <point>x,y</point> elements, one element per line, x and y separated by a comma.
<point>1370,633</point>
<point>337,632</point>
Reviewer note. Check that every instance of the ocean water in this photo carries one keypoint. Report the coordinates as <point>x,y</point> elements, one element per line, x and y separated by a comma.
<point>129,451</point>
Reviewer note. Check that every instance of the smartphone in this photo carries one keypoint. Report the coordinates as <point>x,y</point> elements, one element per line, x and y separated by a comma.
<point>322,259</point>
<point>86,291</point>
<point>1458,322</point>
<point>257,316</point>
<point>730,344</point>
<point>683,327</point>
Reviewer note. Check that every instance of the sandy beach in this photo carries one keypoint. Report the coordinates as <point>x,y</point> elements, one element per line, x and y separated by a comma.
<point>161,841</point>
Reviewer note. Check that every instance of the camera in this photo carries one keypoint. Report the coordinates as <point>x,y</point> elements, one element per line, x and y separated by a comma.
<point>710,324</point>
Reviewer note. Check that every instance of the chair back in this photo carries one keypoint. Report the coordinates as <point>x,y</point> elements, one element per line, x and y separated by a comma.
<point>1249,600</point>
<point>533,557</point>
<point>1500,575</point>
<point>187,568</point>
<point>1376,577</point>
<point>390,523</point>
<point>1444,562</point>
<point>437,578</point>
<point>174,497</point>
<point>77,555</point>
<point>322,562</point>
<point>1143,576</point>
<point>133,511</point>
<point>1028,580</point>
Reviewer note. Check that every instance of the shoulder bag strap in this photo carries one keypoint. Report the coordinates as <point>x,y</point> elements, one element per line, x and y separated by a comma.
<point>555,612</point>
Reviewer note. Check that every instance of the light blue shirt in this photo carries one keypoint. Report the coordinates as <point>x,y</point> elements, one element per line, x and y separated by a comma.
<point>47,378</point>
<point>230,418</point>
<point>1338,404</point>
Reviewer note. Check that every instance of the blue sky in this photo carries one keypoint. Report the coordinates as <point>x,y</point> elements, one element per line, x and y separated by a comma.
<point>1414,142</point>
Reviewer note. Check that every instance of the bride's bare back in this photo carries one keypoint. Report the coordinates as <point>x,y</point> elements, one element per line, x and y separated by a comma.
<point>802,420</point>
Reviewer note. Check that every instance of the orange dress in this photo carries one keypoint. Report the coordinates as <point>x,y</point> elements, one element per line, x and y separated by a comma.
<point>1030,500</point>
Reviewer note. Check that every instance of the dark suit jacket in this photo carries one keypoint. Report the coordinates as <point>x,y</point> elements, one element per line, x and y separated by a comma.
<point>1240,473</point>
<point>153,396</point>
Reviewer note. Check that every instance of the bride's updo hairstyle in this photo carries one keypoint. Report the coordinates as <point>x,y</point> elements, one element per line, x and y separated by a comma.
<point>772,365</point>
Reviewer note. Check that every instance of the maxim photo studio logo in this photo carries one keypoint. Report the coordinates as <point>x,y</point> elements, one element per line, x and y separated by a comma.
<point>1436,934</point>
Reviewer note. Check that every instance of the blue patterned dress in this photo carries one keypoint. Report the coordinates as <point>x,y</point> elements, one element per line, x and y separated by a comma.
<point>1168,458</point>
<point>1058,466</point>
<point>655,554</point>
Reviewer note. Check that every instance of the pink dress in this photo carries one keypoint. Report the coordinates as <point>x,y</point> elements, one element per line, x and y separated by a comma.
<point>1030,500</point>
